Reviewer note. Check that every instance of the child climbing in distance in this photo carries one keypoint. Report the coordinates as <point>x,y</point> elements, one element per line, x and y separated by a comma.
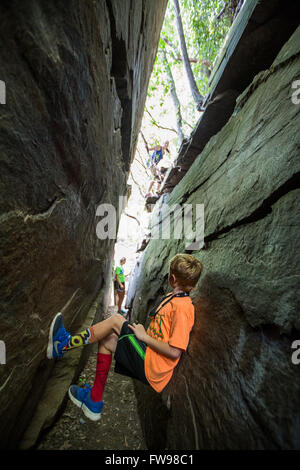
<point>149,356</point>
<point>156,157</point>
<point>119,285</point>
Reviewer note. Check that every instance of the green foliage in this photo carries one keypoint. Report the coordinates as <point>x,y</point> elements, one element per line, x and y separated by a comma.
<point>204,36</point>
<point>206,33</point>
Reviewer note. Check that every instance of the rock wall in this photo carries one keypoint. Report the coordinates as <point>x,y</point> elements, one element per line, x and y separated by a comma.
<point>236,386</point>
<point>76,75</point>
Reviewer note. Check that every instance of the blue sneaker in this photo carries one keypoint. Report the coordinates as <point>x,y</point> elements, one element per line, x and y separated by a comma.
<point>81,397</point>
<point>58,338</point>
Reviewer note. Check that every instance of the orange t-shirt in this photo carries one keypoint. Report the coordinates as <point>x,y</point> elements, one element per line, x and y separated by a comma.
<point>172,324</point>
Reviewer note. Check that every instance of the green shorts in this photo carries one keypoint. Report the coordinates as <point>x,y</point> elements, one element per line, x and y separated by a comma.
<point>130,355</point>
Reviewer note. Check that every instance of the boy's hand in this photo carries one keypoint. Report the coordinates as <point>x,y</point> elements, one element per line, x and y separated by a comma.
<point>159,346</point>
<point>139,331</point>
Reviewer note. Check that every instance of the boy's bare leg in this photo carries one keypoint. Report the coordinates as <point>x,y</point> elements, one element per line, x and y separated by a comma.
<point>107,327</point>
<point>150,187</point>
<point>108,345</point>
<point>120,300</point>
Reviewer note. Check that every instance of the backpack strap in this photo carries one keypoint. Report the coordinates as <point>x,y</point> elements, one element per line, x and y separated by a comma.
<point>165,300</point>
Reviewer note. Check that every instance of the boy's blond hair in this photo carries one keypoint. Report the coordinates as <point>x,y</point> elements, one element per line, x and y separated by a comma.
<point>187,270</point>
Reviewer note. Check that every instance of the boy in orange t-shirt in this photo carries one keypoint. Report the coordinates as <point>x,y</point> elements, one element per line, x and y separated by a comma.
<point>149,356</point>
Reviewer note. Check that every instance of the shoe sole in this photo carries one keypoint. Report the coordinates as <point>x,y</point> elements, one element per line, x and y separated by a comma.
<point>88,413</point>
<point>50,340</point>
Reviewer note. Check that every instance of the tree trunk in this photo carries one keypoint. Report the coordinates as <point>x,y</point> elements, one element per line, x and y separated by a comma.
<point>174,98</point>
<point>198,98</point>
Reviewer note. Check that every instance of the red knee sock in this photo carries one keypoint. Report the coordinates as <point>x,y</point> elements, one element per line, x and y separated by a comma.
<point>102,369</point>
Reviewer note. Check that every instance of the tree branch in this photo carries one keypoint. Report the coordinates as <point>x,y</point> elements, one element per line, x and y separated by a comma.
<point>132,217</point>
<point>157,125</point>
<point>145,142</point>
<point>175,99</point>
<point>222,10</point>
<point>141,163</point>
<point>191,79</point>
<point>177,56</point>
<point>138,186</point>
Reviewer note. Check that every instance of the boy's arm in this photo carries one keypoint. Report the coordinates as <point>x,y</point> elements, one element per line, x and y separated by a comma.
<point>158,346</point>
<point>156,147</point>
